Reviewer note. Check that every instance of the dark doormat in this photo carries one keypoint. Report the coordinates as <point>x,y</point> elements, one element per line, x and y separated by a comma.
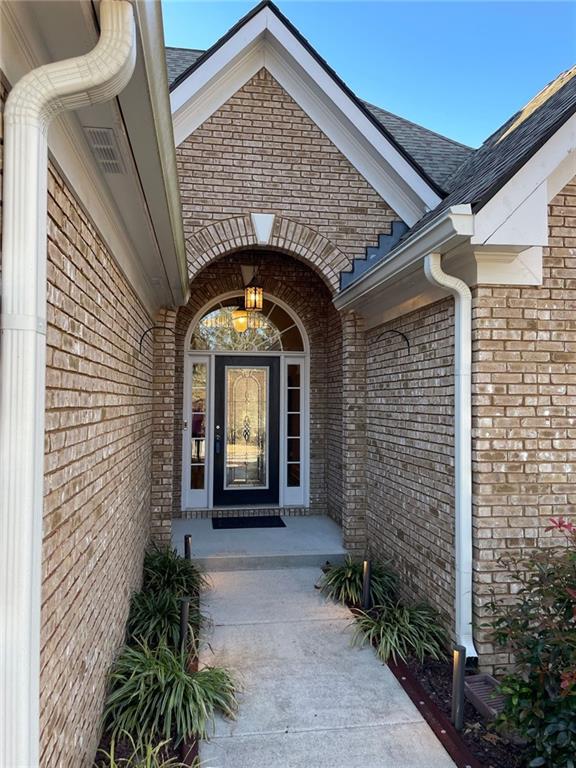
<point>255,521</point>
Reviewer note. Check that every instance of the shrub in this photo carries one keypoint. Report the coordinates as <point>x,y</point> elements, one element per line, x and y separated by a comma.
<point>145,755</point>
<point>164,569</point>
<point>155,617</point>
<point>400,631</point>
<point>343,583</point>
<point>539,629</point>
<point>152,694</point>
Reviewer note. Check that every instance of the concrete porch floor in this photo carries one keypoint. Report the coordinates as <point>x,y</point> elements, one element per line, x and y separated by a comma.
<point>307,540</point>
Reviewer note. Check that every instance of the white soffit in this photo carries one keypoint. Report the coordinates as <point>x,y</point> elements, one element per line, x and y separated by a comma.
<point>265,41</point>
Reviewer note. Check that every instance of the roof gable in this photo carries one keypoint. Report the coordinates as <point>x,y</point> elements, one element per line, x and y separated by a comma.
<point>265,38</point>
<point>437,155</point>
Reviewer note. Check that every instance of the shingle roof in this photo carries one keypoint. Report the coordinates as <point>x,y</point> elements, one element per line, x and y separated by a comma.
<point>178,60</point>
<point>502,155</point>
<point>437,155</point>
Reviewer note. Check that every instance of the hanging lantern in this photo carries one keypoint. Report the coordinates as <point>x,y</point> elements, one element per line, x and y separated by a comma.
<point>240,320</point>
<point>253,297</point>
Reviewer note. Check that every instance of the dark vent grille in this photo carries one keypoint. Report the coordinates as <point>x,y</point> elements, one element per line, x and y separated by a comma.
<point>105,149</point>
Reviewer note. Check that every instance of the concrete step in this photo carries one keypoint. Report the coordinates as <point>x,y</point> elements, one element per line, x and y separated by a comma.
<point>267,562</point>
<point>306,542</point>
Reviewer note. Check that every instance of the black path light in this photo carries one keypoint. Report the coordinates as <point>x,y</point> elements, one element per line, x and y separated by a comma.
<point>458,674</point>
<point>188,546</point>
<point>366,579</point>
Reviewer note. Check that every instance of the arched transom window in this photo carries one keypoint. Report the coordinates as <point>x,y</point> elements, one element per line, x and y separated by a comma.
<point>228,327</point>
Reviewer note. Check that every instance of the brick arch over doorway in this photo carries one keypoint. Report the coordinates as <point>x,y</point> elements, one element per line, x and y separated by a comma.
<point>337,384</point>
<point>237,232</point>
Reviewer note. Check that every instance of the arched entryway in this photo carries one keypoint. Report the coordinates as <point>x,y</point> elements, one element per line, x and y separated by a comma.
<point>245,436</point>
<point>300,328</point>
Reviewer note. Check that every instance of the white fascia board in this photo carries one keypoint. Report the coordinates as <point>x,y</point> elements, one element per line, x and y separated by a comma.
<point>517,214</point>
<point>149,124</point>
<point>21,50</point>
<point>213,92</point>
<point>356,117</point>
<point>266,42</point>
<point>219,62</point>
<point>362,154</point>
<point>454,227</point>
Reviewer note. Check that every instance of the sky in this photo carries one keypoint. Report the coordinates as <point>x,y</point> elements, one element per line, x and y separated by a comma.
<point>459,68</point>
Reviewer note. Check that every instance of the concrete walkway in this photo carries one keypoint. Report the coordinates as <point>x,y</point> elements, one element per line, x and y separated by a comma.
<point>309,700</point>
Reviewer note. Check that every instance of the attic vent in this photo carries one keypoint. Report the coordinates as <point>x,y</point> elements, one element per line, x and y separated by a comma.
<point>105,148</point>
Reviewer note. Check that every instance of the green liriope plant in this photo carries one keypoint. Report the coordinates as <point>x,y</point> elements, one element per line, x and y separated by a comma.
<point>153,695</point>
<point>400,631</point>
<point>343,583</point>
<point>155,617</point>
<point>164,569</point>
<point>142,755</point>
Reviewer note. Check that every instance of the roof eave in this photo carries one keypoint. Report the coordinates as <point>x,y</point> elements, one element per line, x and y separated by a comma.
<point>452,227</point>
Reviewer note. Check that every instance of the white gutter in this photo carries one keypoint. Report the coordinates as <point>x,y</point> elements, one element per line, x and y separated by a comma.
<point>462,445</point>
<point>454,225</point>
<point>37,98</point>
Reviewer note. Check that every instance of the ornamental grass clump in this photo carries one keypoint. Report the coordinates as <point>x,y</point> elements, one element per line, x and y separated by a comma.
<point>539,630</point>
<point>142,755</point>
<point>153,695</point>
<point>343,583</point>
<point>164,570</point>
<point>400,631</point>
<point>155,617</point>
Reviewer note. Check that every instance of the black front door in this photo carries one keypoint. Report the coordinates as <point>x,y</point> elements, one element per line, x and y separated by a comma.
<point>246,430</point>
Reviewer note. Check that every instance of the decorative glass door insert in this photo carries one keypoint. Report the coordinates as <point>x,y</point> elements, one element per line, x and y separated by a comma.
<point>246,433</point>
<point>246,430</point>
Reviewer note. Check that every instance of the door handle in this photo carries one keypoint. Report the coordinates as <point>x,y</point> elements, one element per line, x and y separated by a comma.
<point>217,444</point>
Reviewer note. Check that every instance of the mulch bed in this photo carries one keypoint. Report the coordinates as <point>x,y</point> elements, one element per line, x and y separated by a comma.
<point>123,750</point>
<point>482,740</point>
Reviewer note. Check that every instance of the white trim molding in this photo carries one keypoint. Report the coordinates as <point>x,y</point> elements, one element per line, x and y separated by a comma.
<point>32,104</point>
<point>265,41</point>
<point>289,496</point>
<point>462,445</point>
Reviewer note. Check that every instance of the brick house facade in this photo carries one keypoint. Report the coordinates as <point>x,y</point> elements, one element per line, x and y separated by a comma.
<point>274,165</point>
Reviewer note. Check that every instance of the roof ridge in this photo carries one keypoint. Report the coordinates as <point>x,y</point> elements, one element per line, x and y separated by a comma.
<point>422,127</point>
<point>180,48</point>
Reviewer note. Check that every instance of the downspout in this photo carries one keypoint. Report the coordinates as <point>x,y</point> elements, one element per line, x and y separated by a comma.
<point>33,102</point>
<point>462,445</point>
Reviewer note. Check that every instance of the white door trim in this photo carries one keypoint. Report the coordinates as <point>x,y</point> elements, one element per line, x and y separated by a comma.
<point>288,497</point>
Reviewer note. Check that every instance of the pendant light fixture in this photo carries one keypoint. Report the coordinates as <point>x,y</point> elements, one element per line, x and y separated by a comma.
<point>240,320</point>
<point>253,296</point>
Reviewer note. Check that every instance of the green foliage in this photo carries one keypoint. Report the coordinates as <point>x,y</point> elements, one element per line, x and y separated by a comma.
<point>343,583</point>
<point>142,755</point>
<point>152,694</point>
<point>155,617</point>
<point>164,570</point>
<point>539,629</point>
<point>400,631</point>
